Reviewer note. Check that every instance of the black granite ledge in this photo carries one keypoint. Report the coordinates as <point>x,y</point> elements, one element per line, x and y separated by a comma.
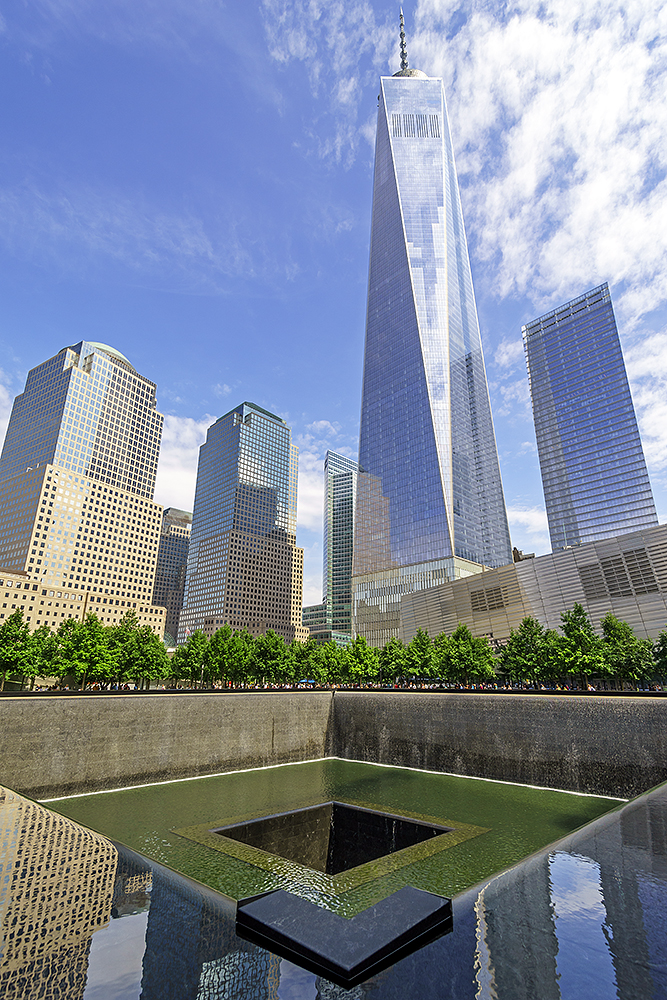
<point>347,951</point>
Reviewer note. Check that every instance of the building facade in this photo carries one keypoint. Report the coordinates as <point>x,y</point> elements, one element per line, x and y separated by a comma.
<point>432,493</point>
<point>77,476</point>
<point>626,575</point>
<point>594,473</point>
<point>172,560</point>
<point>331,621</point>
<point>244,568</point>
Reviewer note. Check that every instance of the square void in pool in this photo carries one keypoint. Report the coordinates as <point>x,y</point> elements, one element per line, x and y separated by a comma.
<point>332,837</point>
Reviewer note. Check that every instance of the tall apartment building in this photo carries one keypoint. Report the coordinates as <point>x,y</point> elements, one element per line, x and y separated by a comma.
<point>77,475</point>
<point>594,473</point>
<point>244,568</point>
<point>332,619</point>
<point>172,561</point>
<point>430,503</point>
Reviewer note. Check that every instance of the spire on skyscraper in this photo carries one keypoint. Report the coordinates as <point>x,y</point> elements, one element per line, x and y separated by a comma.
<point>404,47</point>
<point>405,69</point>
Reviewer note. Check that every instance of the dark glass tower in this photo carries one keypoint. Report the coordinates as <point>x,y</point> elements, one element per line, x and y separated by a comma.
<point>593,469</point>
<point>426,443</point>
<point>244,569</point>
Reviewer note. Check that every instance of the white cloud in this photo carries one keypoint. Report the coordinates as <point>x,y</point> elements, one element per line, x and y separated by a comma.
<point>559,114</point>
<point>310,503</point>
<point>343,47</point>
<point>324,427</point>
<point>508,353</point>
<point>515,398</point>
<point>647,370</point>
<point>529,528</point>
<point>177,468</point>
<point>222,390</point>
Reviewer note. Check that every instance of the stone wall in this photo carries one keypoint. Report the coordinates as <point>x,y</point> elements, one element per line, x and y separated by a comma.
<point>52,746</point>
<point>606,745</point>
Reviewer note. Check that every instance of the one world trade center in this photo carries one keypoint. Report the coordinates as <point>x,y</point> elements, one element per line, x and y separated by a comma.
<point>430,503</point>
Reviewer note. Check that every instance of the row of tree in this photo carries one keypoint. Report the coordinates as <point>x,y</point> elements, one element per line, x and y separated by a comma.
<point>89,652</point>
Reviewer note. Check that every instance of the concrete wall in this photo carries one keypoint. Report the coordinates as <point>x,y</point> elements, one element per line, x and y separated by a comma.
<point>56,745</point>
<point>606,745</point>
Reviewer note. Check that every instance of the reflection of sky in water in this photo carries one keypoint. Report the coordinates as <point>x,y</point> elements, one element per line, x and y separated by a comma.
<point>652,894</point>
<point>296,983</point>
<point>115,961</point>
<point>583,962</point>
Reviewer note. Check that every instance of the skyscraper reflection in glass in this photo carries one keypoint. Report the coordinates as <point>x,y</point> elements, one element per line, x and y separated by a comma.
<point>427,443</point>
<point>594,473</point>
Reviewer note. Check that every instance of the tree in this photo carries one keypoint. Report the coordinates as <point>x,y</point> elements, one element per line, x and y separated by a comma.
<point>42,654</point>
<point>392,659</point>
<point>441,660</point>
<point>188,660</point>
<point>300,660</point>
<point>363,663</point>
<point>14,646</point>
<point>582,649</point>
<point>419,655</point>
<point>240,653</point>
<point>328,663</point>
<point>217,654</point>
<point>523,657</point>
<point>660,654</point>
<point>626,656</point>
<point>469,658</point>
<point>269,658</point>
<point>85,650</point>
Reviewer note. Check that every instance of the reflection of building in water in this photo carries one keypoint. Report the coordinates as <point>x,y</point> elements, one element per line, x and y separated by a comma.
<point>191,944</point>
<point>132,891</point>
<point>512,959</point>
<point>587,921</point>
<point>56,888</point>
<point>241,975</point>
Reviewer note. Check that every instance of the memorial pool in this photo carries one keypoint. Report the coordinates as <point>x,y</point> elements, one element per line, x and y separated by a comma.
<point>494,825</point>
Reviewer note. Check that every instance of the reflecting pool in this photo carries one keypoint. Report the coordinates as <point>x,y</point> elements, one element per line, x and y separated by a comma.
<point>493,825</point>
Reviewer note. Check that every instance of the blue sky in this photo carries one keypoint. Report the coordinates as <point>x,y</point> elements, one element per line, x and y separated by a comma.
<point>190,181</point>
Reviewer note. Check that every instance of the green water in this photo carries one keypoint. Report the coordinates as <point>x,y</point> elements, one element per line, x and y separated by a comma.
<point>518,820</point>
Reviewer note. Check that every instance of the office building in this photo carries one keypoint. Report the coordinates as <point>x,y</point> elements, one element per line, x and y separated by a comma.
<point>593,469</point>
<point>244,568</point>
<point>77,475</point>
<point>626,575</point>
<point>431,504</point>
<point>332,619</point>
<point>172,559</point>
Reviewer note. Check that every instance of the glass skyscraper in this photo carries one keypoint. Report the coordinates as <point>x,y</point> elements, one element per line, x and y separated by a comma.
<point>244,568</point>
<point>77,476</point>
<point>332,619</point>
<point>594,473</point>
<point>432,493</point>
<point>172,561</point>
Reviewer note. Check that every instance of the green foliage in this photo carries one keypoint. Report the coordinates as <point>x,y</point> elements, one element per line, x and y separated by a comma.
<point>419,656</point>
<point>468,659</point>
<point>14,647</point>
<point>362,662</point>
<point>125,653</point>
<point>660,654</point>
<point>188,661</point>
<point>85,650</point>
<point>582,650</point>
<point>627,657</point>
<point>529,653</point>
